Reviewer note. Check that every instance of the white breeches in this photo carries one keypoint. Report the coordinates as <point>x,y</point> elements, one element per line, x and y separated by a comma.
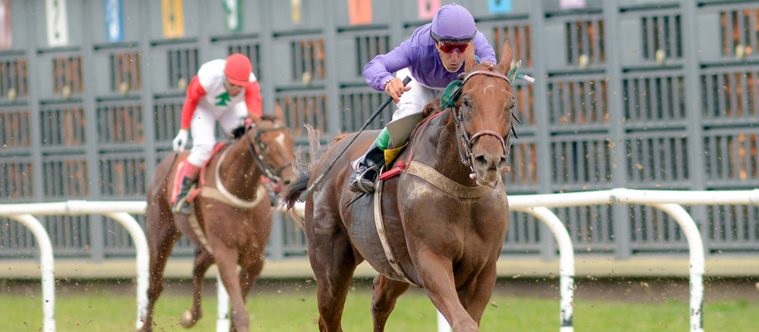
<point>203,129</point>
<point>413,100</point>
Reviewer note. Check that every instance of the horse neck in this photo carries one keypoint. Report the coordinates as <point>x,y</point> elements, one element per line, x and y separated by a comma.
<point>238,171</point>
<point>437,146</point>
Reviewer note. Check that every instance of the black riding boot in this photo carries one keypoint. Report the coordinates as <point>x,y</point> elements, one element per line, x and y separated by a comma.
<point>368,169</point>
<point>182,206</point>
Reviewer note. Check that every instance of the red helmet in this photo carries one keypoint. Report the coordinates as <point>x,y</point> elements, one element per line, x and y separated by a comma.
<point>237,69</point>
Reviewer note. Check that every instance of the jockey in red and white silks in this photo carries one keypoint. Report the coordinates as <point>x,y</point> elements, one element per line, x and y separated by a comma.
<point>224,90</point>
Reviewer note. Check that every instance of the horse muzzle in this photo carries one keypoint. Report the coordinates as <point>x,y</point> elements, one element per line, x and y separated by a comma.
<point>490,177</point>
<point>489,161</point>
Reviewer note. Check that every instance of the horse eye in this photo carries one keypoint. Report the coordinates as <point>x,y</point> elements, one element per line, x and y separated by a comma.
<point>465,103</point>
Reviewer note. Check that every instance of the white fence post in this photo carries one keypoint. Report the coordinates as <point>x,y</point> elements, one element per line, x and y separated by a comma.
<point>142,259</point>
<point>47,266</point>
<point>566,264</point>
<point>696,258</point>
<point>222,308</point>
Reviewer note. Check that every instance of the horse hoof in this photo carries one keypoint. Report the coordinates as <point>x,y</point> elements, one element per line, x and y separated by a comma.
<point>187,320</point>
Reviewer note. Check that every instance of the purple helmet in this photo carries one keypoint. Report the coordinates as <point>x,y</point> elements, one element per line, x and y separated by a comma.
<point>453,22</point>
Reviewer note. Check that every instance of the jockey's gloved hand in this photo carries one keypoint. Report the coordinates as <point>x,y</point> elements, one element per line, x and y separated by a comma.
<point>238,132</point>
<point>180,141</point>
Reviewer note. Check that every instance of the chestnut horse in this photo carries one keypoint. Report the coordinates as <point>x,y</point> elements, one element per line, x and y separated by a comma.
<point>231,218</point>
<point>444,218</point>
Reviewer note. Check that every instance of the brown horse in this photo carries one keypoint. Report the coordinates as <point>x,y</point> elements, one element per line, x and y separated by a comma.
<point>445,216</point>
<point>231,218</point>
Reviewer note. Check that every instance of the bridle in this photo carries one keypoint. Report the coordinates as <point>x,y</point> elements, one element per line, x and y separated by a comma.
<point>257,147</point>
<point>465,141</point>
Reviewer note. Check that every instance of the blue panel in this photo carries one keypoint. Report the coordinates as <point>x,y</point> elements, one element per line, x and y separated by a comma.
<point>114,20</point>
<point>499,6</point>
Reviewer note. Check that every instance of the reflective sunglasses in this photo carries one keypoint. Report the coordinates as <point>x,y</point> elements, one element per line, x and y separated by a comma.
<point>450,47</point>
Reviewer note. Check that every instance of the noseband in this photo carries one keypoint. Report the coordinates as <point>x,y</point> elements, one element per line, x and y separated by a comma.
<point>466,142</point>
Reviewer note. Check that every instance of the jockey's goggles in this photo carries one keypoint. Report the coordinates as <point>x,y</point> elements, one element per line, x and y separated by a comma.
<point>449,45</point>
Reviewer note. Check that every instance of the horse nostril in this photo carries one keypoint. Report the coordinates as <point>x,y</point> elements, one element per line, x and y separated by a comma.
<point>481,160</point>
<point>502,162</point>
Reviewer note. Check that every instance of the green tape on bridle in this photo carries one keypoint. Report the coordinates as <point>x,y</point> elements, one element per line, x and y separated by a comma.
<point>451,94</point>
<point>514,71</point>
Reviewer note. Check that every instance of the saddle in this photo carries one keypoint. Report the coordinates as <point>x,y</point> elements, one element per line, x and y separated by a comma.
<point>405,129</point>
<point>195,191</point>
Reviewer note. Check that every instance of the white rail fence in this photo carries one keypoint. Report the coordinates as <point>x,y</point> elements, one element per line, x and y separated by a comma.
<point>668,201</point>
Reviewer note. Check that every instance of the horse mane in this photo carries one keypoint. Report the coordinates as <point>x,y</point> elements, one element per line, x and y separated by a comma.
<point>269,117</point>
<point>431,108</point>
<point>340,137</point>
<point>238,132</point>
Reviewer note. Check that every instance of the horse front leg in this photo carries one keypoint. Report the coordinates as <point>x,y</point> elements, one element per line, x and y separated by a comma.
<point>203,260</point>
<point>161,234</point>
<point>436,274</point>
<point>385,292</point>
<point>249,274</point>
<point>226,263</point>
<point>476,295</point>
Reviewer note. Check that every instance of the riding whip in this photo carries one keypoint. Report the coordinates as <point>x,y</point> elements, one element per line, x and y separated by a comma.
<point>321,176</point>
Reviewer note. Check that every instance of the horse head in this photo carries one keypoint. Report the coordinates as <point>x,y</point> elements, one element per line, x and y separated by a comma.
<point>483,115</point>
<point>273,150</point>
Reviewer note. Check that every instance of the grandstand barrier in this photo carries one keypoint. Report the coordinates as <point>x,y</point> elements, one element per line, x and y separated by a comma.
<point>668,201</point>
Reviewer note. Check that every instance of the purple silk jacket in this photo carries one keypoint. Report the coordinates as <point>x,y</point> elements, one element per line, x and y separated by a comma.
<point>419,54</point>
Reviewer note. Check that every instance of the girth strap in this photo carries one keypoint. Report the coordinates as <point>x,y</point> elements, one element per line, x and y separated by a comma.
<point>380,224</point>
<point>199,232</point>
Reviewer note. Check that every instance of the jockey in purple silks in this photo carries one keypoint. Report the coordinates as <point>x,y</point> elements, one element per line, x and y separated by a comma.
<point>432,57</point>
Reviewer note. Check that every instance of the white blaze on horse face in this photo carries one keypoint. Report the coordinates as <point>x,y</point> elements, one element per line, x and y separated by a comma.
<point>485,89</point>
<point>281,141</point>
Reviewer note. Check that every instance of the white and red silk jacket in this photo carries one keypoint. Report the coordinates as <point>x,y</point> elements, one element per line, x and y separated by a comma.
<point>207,89</point>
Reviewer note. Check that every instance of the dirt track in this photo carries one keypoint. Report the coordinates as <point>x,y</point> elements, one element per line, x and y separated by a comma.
<point>620,289</point>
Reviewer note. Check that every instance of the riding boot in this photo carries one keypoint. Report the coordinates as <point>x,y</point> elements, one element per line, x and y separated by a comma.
<point>367,170</point>
<point>183,183</point>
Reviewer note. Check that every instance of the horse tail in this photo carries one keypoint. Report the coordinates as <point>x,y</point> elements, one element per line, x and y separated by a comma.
<point>293,191</point>
<point>159,181</point>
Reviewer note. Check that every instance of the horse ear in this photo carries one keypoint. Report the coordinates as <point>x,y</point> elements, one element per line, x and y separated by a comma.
<point>278,112</point>
<point>504,64</point>
<point>469,59</point>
